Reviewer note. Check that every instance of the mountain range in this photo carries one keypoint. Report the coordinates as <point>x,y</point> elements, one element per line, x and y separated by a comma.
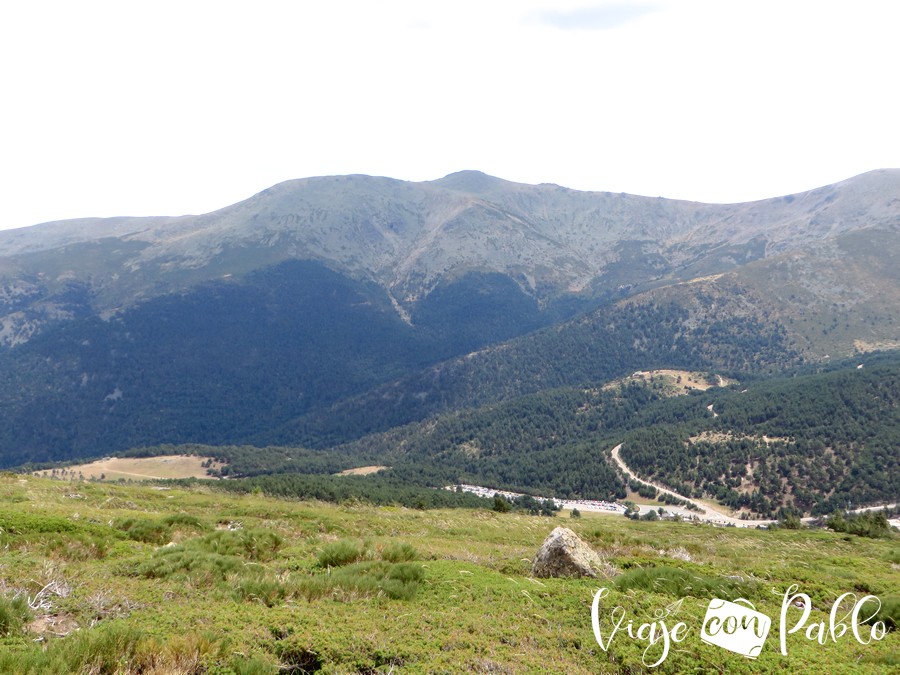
<point>325,309</point>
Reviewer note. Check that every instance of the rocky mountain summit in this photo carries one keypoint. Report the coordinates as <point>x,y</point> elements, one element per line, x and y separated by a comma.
<point>324,309</point>
<point>411,238</point>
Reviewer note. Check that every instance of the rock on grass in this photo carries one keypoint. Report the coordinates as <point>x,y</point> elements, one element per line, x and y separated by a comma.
<point>564,554</point>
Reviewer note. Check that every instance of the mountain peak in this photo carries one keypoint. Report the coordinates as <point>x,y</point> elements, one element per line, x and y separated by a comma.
<point>470,181</point>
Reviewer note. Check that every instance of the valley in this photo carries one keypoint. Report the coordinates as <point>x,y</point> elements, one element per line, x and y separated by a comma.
<point>440,338</point>
<point>329,309</point>
<point>228,438</point>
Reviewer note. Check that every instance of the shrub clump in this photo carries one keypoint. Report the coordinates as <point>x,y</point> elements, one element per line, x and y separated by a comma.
<point>681,583</point>
<point>212,557</point>
<point>260,589</point>
<point>20,522</point>
<point>399,581</point>
<point>340,553</point>
<point>14,614</point>
<point>157,531</point>
<point>889,613</point>
<point>143,529</point>
<point>399,552</point>
<point>120,648</point>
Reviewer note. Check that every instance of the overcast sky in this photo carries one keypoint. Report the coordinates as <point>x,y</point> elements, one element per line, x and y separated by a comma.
<point>165,108</point>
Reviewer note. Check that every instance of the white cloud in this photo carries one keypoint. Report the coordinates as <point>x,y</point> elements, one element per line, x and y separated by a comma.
<point>594,17</point>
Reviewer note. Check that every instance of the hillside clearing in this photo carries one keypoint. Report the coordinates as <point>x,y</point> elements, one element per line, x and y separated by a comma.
<point>361,471</point>
<point>137,468</point>
<point>677,381</point>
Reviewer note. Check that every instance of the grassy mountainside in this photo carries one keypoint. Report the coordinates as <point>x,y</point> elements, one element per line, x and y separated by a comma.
<point>140,580</point>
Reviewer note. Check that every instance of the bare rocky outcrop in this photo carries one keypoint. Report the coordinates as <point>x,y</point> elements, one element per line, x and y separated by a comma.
<point>564,554</point>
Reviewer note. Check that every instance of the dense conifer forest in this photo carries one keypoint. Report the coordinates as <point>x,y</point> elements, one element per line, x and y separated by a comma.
<point>818,440</point>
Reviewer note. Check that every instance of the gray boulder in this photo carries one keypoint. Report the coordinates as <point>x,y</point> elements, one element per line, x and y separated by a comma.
<point>564,554</point>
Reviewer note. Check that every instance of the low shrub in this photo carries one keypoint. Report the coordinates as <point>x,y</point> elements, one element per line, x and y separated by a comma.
<point>260,589</point>
<point>201,567</point>
<point>20,522</point>
<point>256,545</point>
<point>340,553</point>
<point>14,614</point>
<point>211,558</point>
<point>103,651</point>
<point>176,520</point>
<point>889,612</point>
<point>399,552</point>
<point>143,529</point>
<point>399,581</point>
<point>118,648</point>
<point>77,546</point>
<point>682,583</point>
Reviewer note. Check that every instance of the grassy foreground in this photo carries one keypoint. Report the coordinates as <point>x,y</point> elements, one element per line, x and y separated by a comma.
<point>138,579</point>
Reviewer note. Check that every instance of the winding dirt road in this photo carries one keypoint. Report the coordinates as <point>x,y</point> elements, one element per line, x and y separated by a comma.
<point>706,513</point>
<point>709,514</point>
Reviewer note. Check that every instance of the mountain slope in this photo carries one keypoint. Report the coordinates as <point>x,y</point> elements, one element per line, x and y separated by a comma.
<point>814,441</point>
<point>323,309</point>
<point>408,237</point>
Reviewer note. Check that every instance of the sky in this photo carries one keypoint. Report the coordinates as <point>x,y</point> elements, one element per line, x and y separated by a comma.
<point>167,108</point>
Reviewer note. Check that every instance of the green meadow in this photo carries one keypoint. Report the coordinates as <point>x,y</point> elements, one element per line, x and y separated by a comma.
<point>108,578</point>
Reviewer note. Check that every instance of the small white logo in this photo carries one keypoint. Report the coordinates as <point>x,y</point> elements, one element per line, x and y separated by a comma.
<point>736,628</point>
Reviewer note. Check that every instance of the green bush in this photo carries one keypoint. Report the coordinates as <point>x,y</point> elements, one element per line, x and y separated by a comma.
<point>340,553</point>
<point>256,545</point>
<point>260,545</point>
<point>197,565</point>
<point>176,520</point>
<point>267,591</point>
<point>77,546</point>
<point>157,531</point>
<point>14,614</point>
<point>681,583</point>
<point>889,612</point>
<point>102,651</point>
<point>20,522</point>
<point>116,648</point>
<point>399,552</point>
<point>253,665</point>
<point>212,557</point>
<point>399,581</point>
<point>143,529</point>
